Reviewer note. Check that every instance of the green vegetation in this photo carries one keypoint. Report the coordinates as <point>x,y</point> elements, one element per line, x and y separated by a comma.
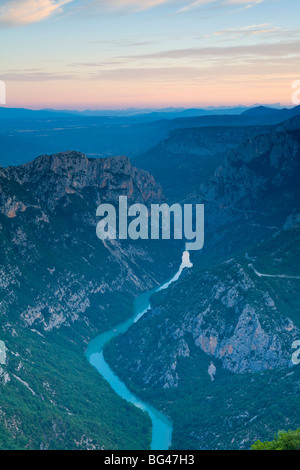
<point>283,441</point>
<point>236,408</point>
<point>68,406</point>
<point>229,413</point>
<point>59,287</point>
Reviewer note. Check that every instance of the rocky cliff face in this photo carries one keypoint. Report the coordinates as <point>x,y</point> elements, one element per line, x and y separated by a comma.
<point>260,166</point>
<point>189,157</point>
<point>253,191</point>
<point>235,313</point>
<point>48,219</point>
<point>53,178</point>
<point>228,312</point>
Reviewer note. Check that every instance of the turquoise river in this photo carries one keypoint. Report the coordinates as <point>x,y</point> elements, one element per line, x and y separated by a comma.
<point>161,425</point>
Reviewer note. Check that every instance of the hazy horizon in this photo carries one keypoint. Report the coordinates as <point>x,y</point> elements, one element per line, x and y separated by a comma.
<point>154,108</point>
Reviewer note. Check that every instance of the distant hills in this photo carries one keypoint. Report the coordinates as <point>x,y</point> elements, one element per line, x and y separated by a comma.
<point>283,114</point>
<point>144,114</point>
<point>134,113</point>
<point>25,134</point>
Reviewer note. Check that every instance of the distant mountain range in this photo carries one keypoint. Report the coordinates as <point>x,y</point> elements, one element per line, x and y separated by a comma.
<point>24,134</point>
<point>142,115</point>
<point>16,113</point>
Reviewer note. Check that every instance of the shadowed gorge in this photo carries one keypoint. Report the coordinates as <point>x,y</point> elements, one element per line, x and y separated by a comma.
<point>219,338</point>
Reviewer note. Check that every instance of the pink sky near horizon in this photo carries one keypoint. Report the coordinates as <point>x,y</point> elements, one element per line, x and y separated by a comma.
<point>80,95</point>
<point>95,54</point>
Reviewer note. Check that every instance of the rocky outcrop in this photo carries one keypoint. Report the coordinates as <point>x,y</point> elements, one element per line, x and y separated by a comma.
<point>263,165</point>
<point>189,157</point>
<point>52,178</point>
<point>227,313</point>
<point>48,226</point>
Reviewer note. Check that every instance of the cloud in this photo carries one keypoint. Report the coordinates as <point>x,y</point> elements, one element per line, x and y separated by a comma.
<point>139,5</point>
<point>23,12</point>
<point>275,69</point>
<point>34,76</point>
<point>196,4</point>
<point>131,5</point>
<point>251,30</point>
<point>200,3</point>
<point>243,2</point>
<point>156,74</point>
<point>266,50</point>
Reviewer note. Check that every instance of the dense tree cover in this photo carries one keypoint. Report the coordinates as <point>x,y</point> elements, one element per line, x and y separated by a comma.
<point>56,400</point>
<point>289,440</point>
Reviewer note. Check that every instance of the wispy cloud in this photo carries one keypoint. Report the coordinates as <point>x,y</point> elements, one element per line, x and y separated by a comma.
<point>243,2</point>
<point>35,76</point>
<point>259,69</point>
<point>139,5</point>
<point>148,74</point>
<point>196,4</point>
<point>267,50</point>
<point>251,30</point>
<point>223,3</point>
<point>133,5</point>
<point>22,12</point>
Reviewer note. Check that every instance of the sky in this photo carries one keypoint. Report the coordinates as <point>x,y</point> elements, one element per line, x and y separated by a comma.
<point>96,54</point>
